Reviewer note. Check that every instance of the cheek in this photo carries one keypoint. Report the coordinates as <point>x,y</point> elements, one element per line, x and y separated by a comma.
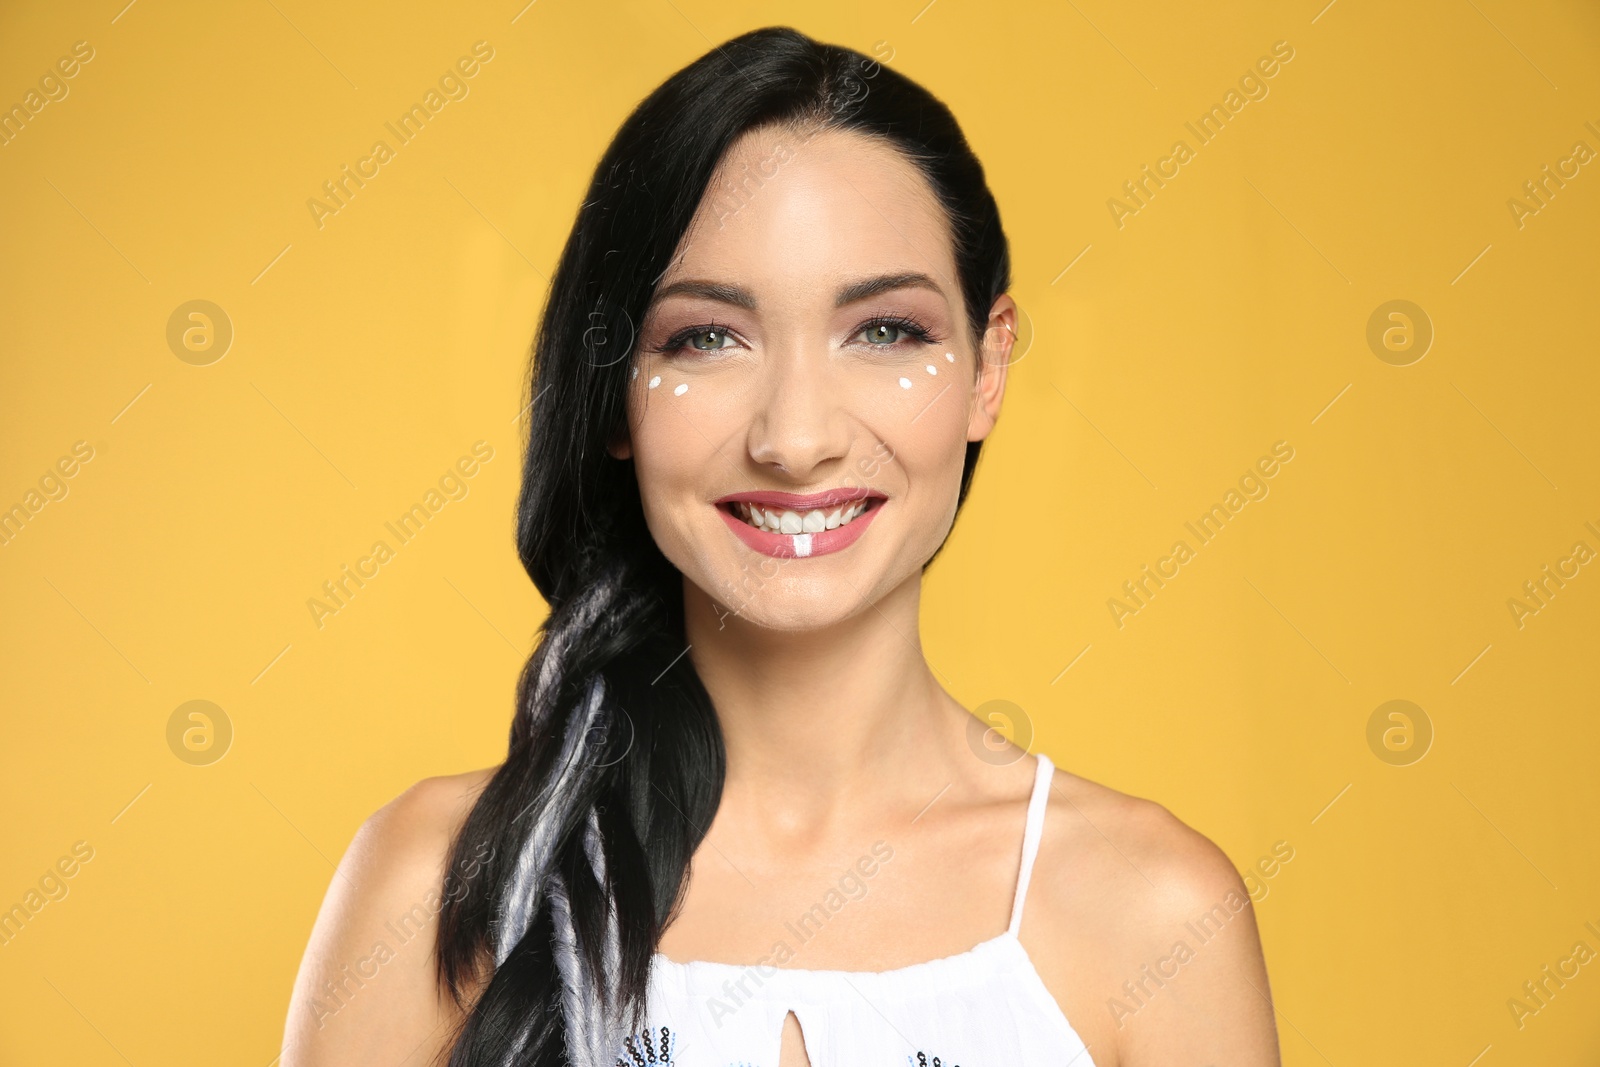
<point>933,457</point>
<point>682,422</point>
<point>909,391</point>
<point>679,429</point>
<point>920,460</point>
<point>682,395</point>
<point>921,410</point>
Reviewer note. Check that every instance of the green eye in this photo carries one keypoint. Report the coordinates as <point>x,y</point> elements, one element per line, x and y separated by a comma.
<point>715,337</point>
<point>711,337</point>
<point>888,332</point>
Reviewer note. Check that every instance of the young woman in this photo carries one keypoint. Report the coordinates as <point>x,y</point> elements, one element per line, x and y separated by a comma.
<point>740,821</point>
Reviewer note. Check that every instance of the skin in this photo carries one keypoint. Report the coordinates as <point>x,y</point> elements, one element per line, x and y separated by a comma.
<point>838,733</point>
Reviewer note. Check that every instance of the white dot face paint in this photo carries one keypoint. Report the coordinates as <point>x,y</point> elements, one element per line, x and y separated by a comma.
<point>683,387</point>
<point>636,372</point>
<point>905,383</point>
<point>950,357</point>
<point>802,544</point>
<point>932,369</point>
<point>655,381</point>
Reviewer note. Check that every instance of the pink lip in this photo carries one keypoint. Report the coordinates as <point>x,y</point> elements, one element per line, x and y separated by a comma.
<point>823,542</point>
<point>797,502</point>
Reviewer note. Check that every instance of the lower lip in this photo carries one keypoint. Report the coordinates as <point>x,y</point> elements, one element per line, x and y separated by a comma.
<point>783,545</point>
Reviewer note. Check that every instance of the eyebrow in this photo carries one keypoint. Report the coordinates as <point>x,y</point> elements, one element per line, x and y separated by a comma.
<point>849,294</point>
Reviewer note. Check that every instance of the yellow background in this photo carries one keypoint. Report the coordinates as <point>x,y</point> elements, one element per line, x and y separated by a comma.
<point>1227,314</point>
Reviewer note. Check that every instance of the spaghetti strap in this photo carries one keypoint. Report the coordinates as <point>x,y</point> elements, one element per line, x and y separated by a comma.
<point>1031,833</point>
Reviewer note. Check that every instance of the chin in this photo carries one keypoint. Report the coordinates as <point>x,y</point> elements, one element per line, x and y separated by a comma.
<point>768,594</point>
<point>787,615</point>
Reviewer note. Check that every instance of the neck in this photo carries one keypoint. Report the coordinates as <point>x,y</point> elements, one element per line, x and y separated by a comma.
<point>814,719</point>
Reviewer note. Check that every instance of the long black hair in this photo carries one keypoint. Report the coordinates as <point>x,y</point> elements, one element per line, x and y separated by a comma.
<point>616,760</point>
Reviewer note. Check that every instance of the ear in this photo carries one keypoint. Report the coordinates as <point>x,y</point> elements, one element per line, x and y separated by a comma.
<point>994,357</point>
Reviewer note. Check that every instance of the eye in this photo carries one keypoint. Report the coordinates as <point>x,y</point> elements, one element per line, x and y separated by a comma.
<point>709,338</point>
<point>890,330</point>
<point>713,337</point>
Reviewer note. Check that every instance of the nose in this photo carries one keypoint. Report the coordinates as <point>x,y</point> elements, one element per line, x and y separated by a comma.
<point>801,423</point>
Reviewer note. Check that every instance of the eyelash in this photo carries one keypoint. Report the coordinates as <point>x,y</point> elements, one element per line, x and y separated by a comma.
<point>908,326</point>
<point>676,341</point>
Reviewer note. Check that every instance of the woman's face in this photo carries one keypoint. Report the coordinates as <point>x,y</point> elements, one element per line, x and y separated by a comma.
<point>809,338</point>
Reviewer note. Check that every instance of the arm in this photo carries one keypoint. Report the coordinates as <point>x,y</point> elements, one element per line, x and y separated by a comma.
<point>1215,1006</point>
<point>366,990</point>
<point>1146,936</point>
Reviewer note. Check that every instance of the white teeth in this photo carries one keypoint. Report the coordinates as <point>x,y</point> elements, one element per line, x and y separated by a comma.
<point>798,523</point>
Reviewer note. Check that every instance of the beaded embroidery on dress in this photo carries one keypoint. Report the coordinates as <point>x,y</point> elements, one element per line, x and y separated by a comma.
<point>985,1007</point>
<point>640,1050</point>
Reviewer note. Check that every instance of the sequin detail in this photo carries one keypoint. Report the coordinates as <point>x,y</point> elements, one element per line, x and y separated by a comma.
<point>638,1050</point>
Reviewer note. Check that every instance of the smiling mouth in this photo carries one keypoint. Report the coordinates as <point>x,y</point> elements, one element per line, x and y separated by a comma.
<point>788,521</point>
<point>796,526</point>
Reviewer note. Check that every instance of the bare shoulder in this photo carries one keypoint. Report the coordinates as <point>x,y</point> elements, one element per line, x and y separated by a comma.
<point>366,989</point>
<point>1139,841</point>
<point>419,824</point>
<point>1145,933</point>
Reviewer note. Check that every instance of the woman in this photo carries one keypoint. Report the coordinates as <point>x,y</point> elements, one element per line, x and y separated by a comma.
<point>740,821</point>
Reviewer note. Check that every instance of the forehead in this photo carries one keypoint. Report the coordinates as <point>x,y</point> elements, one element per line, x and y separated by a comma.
<point>792,212</point>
